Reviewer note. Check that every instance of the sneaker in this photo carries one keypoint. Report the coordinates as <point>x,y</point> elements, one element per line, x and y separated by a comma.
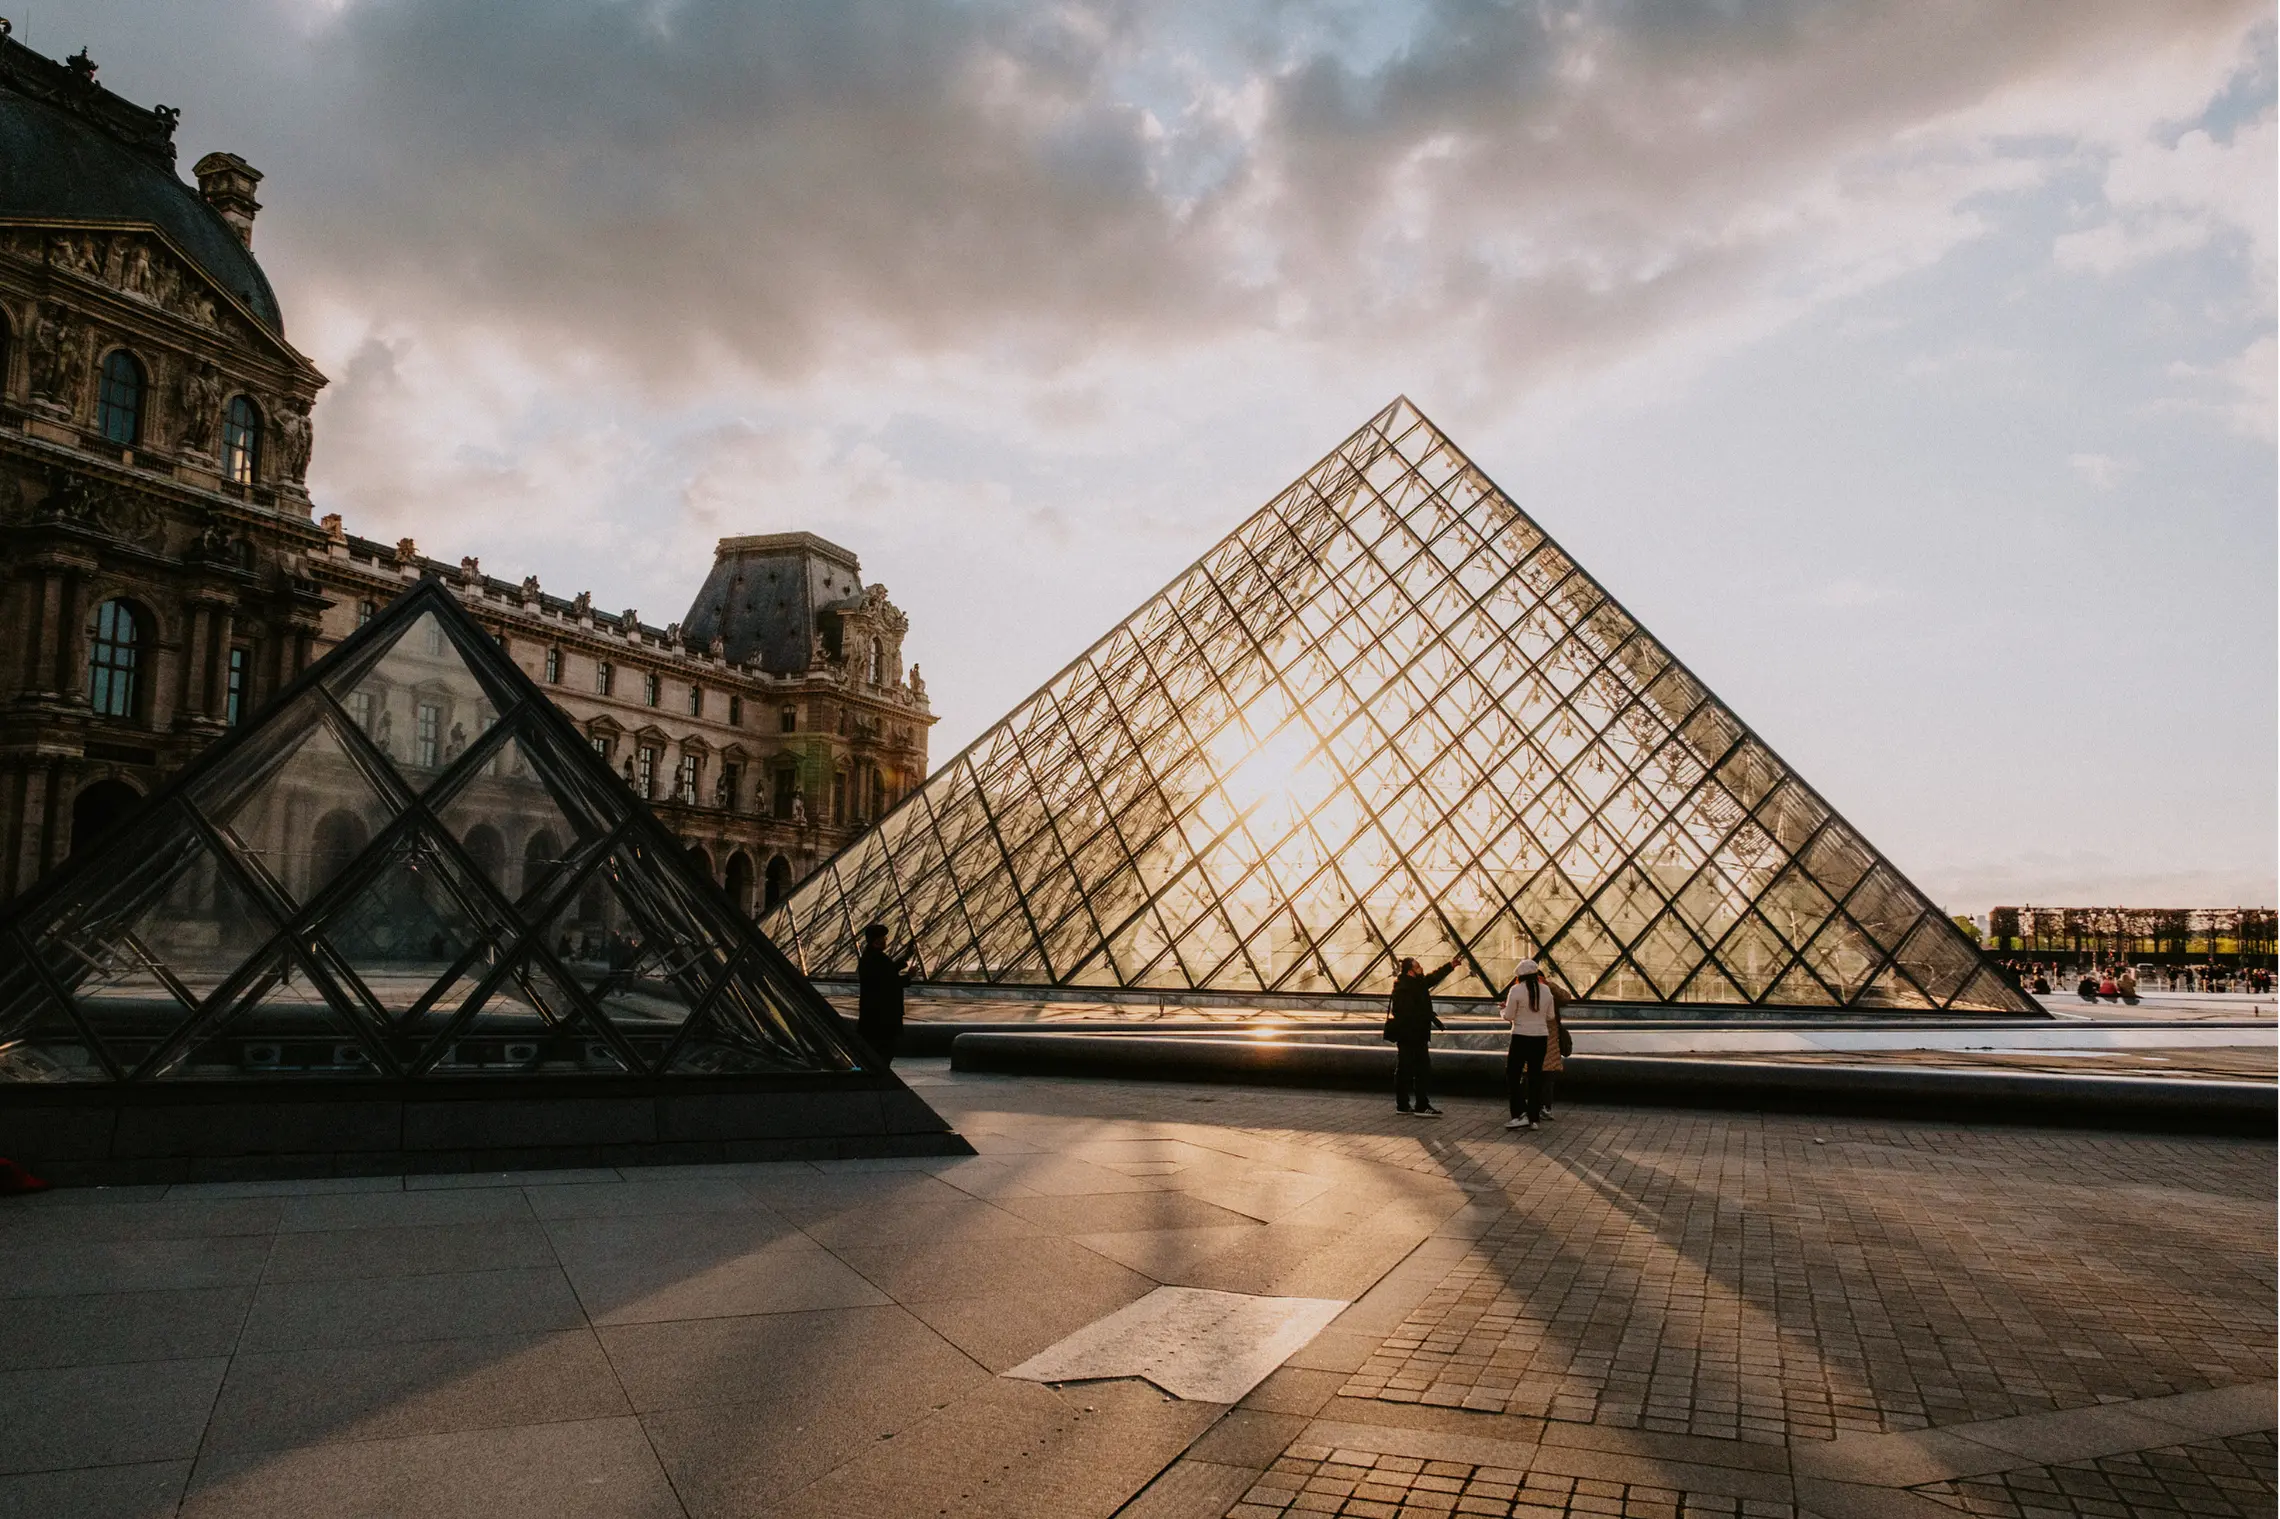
<point>1544,1115</point>
<point>1404,1112</point>
<point>1519,1123</point>
<point>1429,1113</point>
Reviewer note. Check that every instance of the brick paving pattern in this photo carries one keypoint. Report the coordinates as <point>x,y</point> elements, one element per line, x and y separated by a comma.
<point>1728,1277</point>
<point>2217,1479</point>
<point>1314,1479</point>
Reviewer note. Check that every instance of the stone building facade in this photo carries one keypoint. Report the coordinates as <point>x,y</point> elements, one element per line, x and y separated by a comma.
<point>163,574</point>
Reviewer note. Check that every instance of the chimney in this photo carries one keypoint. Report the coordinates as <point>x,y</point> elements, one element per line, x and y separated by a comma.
<point>226,182</point>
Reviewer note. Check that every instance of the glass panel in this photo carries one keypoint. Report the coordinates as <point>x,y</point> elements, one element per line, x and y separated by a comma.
<point>296,800</point>
<point>1893,990</point>
<point>1885,907</point>
<point>1936,958</point>
<point>284,1025</point>
<point>139,949</point>
<point>529,1023</point>
<point>39,1041</point>
<point>426,705</point>
<point>1988,993</point>
<point>1799,989</point>
<point>403,930</point>
<point>515,829</point>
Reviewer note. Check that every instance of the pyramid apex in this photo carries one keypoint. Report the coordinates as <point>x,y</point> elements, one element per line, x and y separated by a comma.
<point>1386,717</point>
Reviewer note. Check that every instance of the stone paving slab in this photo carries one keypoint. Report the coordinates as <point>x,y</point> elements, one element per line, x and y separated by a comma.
<point>1632,1311</point>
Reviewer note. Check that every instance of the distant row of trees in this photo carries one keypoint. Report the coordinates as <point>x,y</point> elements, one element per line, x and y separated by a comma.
<point>2171,935</point>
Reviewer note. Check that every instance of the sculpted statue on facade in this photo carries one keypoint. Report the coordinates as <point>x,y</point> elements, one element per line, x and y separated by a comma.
<point>198,398</point>
<point>59,352</point>
<point>582,604</point>
<point>917,683</point>
<point>293,440</point>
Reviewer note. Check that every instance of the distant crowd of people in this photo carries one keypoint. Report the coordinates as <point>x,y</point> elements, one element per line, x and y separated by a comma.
<point>2121,983</point>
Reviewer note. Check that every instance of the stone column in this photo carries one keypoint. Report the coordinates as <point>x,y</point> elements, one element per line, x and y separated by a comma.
<point>71,611</point>
<point>39,621</point>
<point>190,692</point>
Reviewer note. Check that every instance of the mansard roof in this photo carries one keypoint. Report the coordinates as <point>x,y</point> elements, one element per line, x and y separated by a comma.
<point>73,152</point>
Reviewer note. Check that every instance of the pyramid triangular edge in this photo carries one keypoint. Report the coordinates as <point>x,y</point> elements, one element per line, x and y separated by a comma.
<point>1401,579</point>
<point>321,973</point>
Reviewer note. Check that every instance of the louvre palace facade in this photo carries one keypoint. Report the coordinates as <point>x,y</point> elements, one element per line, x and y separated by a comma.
<point>163,572</point>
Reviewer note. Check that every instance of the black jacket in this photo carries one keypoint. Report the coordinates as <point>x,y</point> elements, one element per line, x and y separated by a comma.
<point>1412,1010</point>
<point>880,979</point>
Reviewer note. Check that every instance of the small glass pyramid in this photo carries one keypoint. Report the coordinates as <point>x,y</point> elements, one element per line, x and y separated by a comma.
<point>1387,716</point>
<point>412,866</point>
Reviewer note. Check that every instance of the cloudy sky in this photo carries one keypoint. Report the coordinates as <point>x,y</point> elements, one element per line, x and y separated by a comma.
<point>1907,367</point>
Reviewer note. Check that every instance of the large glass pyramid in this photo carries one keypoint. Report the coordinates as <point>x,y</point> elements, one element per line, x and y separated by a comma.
<point>412,866</point>
<point>1387,716</point>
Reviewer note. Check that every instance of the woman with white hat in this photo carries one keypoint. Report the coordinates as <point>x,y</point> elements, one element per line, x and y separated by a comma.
<point>1531,1005</point>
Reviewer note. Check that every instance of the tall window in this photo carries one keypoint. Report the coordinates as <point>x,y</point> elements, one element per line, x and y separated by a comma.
<point>233,697</point>
<point>241,441</point>
<point>652,689</point>
<point>787,785</point>
<point>360,709</point>
<point>553,666</point>
<point>364,611</point>
<point>789,719</point>
<point>604,677</point>
<point>839,796</point>
<point>735,710</point>
<point>696,700</point>
<point>118,406</point>
<point>725,787</point>
<point>434,636</point>
<point>602,744</point>
<point>645,770</point>
<point>427,736</point>
<point>685,787</point>
<point>112,666</point>
<point>878,663</point>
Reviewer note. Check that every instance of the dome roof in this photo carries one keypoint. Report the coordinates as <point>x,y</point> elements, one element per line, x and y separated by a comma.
<point>66,159</point>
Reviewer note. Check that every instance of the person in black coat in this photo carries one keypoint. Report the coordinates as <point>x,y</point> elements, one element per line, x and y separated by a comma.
<point>1412,1022</point>
<point>880,979</point>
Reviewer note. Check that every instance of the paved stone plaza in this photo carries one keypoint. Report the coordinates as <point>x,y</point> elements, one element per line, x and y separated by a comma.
<point>1632,1312</point>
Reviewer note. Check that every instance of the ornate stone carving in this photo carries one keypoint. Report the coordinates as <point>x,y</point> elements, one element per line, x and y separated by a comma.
<point>470,569</point>
<point>198,399</point>
<point>293,439</point>
<point>82,501</point>
<point>582,604</point>
<point>59,354</point>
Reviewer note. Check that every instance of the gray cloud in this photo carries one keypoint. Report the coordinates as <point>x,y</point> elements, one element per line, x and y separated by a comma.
<point>774,181</point>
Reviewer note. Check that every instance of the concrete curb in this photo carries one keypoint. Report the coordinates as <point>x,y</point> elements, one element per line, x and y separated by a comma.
<point>2171,1105</point>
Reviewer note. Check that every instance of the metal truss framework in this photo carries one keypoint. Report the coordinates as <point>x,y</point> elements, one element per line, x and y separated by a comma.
<point>1388,716</point>
<point>333,893</point>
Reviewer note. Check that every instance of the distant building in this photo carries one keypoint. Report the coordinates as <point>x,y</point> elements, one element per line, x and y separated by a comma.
<point>2224,936</point>
<point>161,575</point>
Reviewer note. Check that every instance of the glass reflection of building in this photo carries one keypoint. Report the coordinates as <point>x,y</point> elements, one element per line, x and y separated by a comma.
<point>411,866</point>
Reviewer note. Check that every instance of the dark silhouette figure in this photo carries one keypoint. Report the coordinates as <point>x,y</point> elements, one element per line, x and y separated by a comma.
<point>880,979</point>
<point>1410,1023</point>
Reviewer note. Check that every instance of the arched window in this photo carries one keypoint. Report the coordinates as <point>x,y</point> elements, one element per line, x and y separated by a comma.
<point>118,411</point>
<point>878,663</point>
<point>241,441</point>
<point>112,665</point>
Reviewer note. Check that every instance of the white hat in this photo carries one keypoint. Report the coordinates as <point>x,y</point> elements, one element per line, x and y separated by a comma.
<point>1526,968</point>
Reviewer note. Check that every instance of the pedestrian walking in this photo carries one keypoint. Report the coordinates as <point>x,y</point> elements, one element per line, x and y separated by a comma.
<point>1409,1023</point>
<point>1530,1005</point>
<point>880,979</point>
